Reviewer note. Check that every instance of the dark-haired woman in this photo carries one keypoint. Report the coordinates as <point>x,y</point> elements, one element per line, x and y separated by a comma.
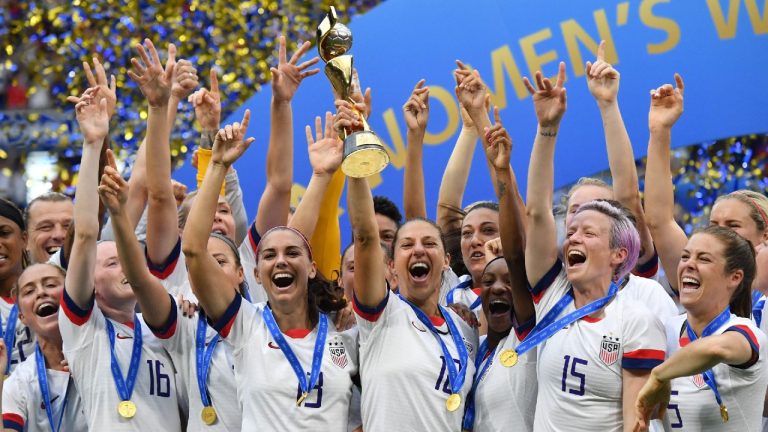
<point>292,368</point>
<point>19,340</point>
<point>417,358</point>
<point>714,379</point>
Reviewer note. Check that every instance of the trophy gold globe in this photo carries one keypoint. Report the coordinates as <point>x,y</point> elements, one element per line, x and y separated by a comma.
<point>364,153</point>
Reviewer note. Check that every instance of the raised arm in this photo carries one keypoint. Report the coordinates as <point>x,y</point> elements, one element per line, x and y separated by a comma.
<point>155,83</point>
<point>94,125</point>
<point>286,77</point>
<point>153,298</point>
<point>325,157</point>
<point>416,113</point>
<point>455,176</point>
<point>473,97</point>
<point>669,238</point>
<point>512,218</point>
<point>204,272</point>
<point>603,83</point>
<point>370,284</point>
<point>731,348</point>
<point>183,83</point>
<point>550,103</point>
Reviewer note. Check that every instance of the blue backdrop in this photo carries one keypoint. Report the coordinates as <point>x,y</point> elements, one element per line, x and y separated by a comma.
<point>719,46</point>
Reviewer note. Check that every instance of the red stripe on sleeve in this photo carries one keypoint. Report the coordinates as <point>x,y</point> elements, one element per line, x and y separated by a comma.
<point>646,354</point>
<point>747,332</point>
<point>13,422</point>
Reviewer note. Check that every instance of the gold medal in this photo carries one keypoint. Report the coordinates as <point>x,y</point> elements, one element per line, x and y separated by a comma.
<point>453,402</point>
<point>208,415</point>
<point>127,409</point>
<point>301,398</point>
<point>508,357</point>
<point>724,413</point>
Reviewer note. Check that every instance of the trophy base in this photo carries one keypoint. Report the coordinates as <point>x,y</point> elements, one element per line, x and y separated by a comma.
<point>364,155</point>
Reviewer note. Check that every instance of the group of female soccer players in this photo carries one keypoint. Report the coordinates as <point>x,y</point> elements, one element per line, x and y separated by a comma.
<point>557,325</point>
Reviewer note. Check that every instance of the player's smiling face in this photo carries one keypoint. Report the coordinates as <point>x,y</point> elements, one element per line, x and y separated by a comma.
<point>420,259</point>
<point>223,221</point>
<point>478,227</point>
<point>284,266</point>
<point>112,287</point>
<point>734,214</point>
<point>40,288</point>
<point>12,243</point>
<point>703,283</point>
<point>226,259</point>
<point>496,288</point>
<point>586,250</point>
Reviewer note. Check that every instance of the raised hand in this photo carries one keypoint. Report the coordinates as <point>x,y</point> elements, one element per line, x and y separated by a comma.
<point>602,78</point>
<point>499,143</point>
<point>184,75</point>
<point>359,97</point>
<point>325,151</point>
<point>287,76</point>
<point>207,104</point>
<point>91,116</point>
<point>666,104</point>
<point>153,80</point>
<point>416,109</point>
<point>549,101</point>
<point>230,142</point>
<point>113,189</point>
<point>655,393</point>
<point>107,90</point>
<point>493,249</point>
<point>470,89</point>
<point>347,117</point>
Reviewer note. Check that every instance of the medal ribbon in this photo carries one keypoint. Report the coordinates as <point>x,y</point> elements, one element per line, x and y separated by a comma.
<point>9,334</point>
<point>42,380</point>
<point>465,285</point>
<point>125,387</point>
<point>548,326</point>
<point>317,357</point>
<point>203,357</point>
<point>719,321</point>
<point>469,413</point>
<point>757,307</point>
<point>456,377</point>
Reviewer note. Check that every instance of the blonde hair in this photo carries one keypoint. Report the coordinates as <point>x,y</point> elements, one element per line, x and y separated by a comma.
<point>757,203</point>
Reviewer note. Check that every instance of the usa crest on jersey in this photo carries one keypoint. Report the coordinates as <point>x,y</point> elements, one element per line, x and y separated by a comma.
<point>338,353</point>
<point>698,379</point>
<point>609,350</point>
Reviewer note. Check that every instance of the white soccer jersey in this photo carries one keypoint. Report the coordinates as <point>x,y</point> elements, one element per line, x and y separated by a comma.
<point>505,398</point>
<point>248,249</point>
<point>24,342</point>
<point>652,295</point>
<point>465,294</point>
<point>86,347</point>
<point>178,336</point>
<point>404,376</point>
<point>693,407</point>
<point>23,406</point>
<point>580,367</point>
<point>267,387</point>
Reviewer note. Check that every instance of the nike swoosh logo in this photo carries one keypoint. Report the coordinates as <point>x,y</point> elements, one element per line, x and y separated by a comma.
<point>119,336</point>
<point>42,404</point>
<point>272,345</point>
<point>418,327</point>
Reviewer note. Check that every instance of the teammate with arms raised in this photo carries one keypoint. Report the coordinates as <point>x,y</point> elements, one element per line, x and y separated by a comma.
<point>127,381</point>
<point>293,369</point>
<point>598,348</point>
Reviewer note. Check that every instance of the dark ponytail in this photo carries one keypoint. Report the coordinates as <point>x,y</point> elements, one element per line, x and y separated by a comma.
<point>323,296</point>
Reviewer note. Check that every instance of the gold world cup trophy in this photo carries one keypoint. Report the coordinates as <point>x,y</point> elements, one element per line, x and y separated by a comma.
<point>364,154</point>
